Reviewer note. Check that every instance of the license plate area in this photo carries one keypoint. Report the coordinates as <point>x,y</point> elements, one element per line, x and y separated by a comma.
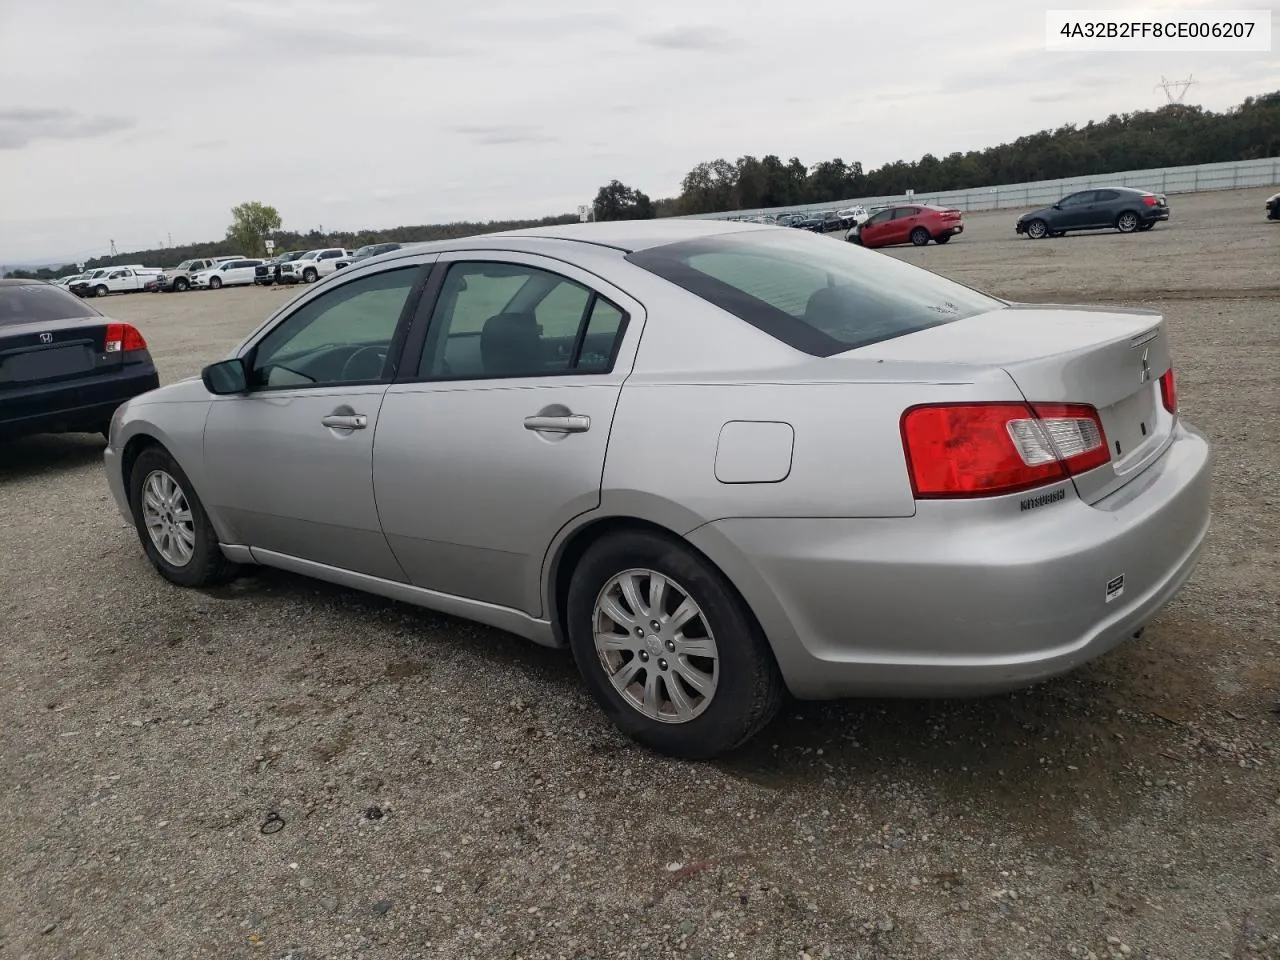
<point>54,363</point>
<point>1133,427</point>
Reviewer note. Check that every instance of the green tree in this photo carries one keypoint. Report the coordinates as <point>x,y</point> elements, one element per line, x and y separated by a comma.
<point>616,201</point>
<point>251,224</point>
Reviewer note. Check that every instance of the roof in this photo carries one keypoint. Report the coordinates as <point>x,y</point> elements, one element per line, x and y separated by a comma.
<point>631,235</point>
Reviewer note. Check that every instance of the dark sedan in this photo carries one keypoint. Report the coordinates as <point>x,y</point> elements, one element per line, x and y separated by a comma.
<point>64,367</point>
<point>1115,208</point>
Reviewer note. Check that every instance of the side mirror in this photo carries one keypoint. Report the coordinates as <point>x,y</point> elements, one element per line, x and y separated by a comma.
<point>226,377</point>
<point>1057,206</point>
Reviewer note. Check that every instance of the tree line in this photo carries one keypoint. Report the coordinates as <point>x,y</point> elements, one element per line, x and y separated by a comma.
<point>1173,135</point>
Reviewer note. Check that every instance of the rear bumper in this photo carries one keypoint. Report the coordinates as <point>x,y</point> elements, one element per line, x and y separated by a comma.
<point>1154,216</point>
<point>970,601</point>
<point>84,405</point>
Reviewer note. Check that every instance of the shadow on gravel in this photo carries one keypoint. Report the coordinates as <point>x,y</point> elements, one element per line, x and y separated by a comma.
<point>32,456</point>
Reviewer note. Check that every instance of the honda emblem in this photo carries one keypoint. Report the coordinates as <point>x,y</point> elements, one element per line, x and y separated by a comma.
<point>46,338</point>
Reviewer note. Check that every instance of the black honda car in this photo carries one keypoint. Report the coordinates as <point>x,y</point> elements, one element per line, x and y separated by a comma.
<point>64,367</point>
<point>1113,208</point>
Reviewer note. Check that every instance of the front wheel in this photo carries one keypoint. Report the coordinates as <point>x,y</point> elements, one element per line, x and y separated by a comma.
<point>1037,229</point>
<point>1127,222</point>
<point>181,284</point>
<point>100,291</point>
<point>215,283</point>
<point>309,275</point>
<point>919,236</point>
<point>667,647</point>
<point>175,531</point>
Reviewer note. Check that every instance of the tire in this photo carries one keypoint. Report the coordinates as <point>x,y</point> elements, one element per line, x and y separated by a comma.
<point>309,275</point>
<point>1037,230</point>
<point>206,564</point>
<point>100,291</point>
<point>746,688</point>
<point>919,236</point>
<point>1127,222</point>
<point>942,239</point>
<point>215,283</point>
<point>181,285</point>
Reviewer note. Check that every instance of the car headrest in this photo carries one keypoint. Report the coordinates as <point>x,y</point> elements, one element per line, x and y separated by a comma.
<point>511,344</point>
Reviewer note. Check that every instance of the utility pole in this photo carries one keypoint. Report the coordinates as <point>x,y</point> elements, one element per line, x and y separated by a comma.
<point>1174,90</point>
<point>171,240</point>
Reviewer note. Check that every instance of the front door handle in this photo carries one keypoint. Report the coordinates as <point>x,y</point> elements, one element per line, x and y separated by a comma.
<point>338,421</point>
<point>573,423</point>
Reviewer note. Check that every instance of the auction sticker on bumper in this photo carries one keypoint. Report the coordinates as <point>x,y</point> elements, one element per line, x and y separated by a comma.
<point>1115,587</point>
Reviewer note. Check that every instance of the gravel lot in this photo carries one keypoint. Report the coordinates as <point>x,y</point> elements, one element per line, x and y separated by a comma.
<point>1131,809</point>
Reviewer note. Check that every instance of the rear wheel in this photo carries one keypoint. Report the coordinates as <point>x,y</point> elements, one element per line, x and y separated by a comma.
<point>172,525</point>
<point>667,647</point>
<point>1127,222</point>
<point>919,236</point>
<point>1037,229</point>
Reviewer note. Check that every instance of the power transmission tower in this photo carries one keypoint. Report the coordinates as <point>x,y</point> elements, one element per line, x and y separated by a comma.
<point>1174,90</point>
<point>113,248</point>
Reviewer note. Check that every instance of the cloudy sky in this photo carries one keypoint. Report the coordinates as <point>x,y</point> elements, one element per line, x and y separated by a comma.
<point>135,120</point>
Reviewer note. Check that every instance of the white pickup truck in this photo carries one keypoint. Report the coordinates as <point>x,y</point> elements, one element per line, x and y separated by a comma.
<point>314,264</point>
<point>99,283</point>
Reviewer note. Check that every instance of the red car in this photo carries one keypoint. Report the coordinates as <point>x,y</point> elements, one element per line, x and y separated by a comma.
<point>915,223</point>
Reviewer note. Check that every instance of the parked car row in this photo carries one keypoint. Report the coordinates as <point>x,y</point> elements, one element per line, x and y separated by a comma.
<point>308,266</point>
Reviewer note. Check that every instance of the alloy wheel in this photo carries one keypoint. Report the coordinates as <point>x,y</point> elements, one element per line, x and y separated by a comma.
<point>656,646</point>
<point>168,518</point>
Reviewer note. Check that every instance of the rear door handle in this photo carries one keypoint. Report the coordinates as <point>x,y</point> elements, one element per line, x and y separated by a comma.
<point>337,421</point>
<point>574,423</point>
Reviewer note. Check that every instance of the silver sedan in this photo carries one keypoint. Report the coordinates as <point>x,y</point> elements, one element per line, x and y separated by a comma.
<point>720,462</point>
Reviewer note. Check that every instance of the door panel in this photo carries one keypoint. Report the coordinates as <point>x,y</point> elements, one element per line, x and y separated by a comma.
<point>290,464</point>
<point>288,483</point>
<point>502,438</point>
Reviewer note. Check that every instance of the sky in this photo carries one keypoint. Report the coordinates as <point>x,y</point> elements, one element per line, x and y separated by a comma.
<point>143,120</point>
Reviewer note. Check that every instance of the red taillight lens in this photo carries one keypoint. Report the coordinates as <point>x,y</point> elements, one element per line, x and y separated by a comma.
<point>1169,391</point>
<point>123,338</point>
<point>988,449</point>
<point>1149,200</point>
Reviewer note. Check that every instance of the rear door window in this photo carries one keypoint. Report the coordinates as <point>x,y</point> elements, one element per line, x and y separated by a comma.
<point>817,296</point>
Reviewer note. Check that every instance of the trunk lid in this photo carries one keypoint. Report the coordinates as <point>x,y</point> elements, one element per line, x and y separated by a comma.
<point>40,353</point>
<point>1110,359</point>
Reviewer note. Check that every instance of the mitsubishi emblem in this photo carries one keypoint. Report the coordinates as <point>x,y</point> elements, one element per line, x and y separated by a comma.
<point>46,338</point>
<point>1145,374</point>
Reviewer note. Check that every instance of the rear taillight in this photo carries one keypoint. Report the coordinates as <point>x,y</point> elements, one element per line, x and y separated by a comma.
<point>1169,391</point>
<point>988,449</point>
<point>124,338</point>
<point>1149,200</point>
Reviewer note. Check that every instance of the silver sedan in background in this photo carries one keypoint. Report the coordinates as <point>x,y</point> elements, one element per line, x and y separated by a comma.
<point>718,461</point>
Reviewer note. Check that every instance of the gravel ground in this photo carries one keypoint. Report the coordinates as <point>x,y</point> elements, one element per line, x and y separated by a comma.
<point>438,789</point>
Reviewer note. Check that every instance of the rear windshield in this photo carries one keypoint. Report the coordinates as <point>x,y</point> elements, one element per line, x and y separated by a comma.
<point>819,295</point>
<point>38,303</point>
